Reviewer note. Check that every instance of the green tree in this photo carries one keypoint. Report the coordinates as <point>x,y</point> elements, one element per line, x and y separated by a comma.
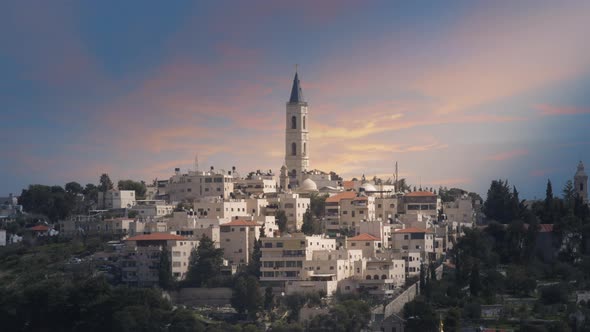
<point>268,298</point>
<point>317,205</point>
<point>246,297</point>
<point>139,187</point>
<point>420,316</point>
<point>204,263</point>
<point>452,322</point>
<point>165,279</point>
<point>105,183</point>
<point>500,203</point>
<point>307,226</point>
<point>74,187</point>
<point>53,202</point>
<point>281,218</point>
<point>474,280</point>
<point>569,193</point>
<point>254,264</point>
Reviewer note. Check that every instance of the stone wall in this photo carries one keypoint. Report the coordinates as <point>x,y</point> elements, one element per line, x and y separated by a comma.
<point>201,296</point>
<point>397,305</point>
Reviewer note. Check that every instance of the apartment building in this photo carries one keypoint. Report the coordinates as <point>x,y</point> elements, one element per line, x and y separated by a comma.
<point>293,205</point>
<point>152,208</point>
<point>141,257</point>
<point>237,240</point>
<point>116,199</point>
<point>217,207</point>
<point>332,211</point>
<point>418,239</point>
<point>283,257</point>
<point>194,185</point>
<point>367,243</point>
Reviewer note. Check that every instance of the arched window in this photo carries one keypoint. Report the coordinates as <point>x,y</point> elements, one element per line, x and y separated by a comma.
<point>304,122</point>
<point>293,173</point>
<point>368,277</point>
<point>293,149</point>
<point>384,277</point>
<point>376,277</point>
<point>581,187</point>
<point>304,149</point>
<point>293,122</point>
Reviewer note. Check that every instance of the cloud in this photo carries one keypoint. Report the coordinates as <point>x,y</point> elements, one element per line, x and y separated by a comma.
<point>508,155</point>
<point>548,110</point>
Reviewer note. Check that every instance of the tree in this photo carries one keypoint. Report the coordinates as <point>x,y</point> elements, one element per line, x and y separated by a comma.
<point>53,202</point>
<point>452,322</point>
<point>105,183</point>
<point>255,264</point>
<point>281,218</point>
<point>500,204</point>
<point>307,226</point>
<point>74,188</point>
<point>204,263</point>
<point>548,195</point>
<point>268,298</point>
<point>246,297</point>
<point>569,193</point>
<point>474,280</point>
<point>317,205</point>
<point>165,279</point>
<point>139,187</point>
<point>420,316</point>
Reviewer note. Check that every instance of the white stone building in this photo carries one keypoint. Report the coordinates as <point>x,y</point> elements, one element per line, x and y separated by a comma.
<point>116,199</point>
<point>296,135</point>
<point>283,257</point>
<point>194,185</point>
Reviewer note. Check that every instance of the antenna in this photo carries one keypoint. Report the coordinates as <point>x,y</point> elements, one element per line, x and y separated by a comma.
<point>196,162</point>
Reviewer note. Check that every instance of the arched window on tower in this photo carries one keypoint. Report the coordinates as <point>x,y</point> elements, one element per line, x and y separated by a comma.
<point>293,149</point>
<point>581,187</point>
<point>304,149</point>
<point>304,122</point>
<point>293,122</point>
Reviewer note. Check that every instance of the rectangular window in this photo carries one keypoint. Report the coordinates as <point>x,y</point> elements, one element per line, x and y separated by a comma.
<point>279,244</point>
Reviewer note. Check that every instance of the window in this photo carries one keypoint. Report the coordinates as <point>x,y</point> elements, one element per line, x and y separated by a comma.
<point>293,122</point>
<point>293,149</point>
<point>279,244</point>
<point>304,122</point>
<point>406,237</point>
<point>304,148</point>
<point>268,245</point>
<point>175,264</point>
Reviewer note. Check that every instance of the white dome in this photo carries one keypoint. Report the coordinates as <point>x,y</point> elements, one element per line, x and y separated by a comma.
<point>308,185</point>
<point>368,187</point>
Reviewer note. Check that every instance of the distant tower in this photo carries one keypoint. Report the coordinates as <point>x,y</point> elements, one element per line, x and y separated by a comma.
<point>581,183</point>
<point>296,135</point>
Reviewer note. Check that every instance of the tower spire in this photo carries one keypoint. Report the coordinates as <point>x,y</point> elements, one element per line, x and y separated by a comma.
<point>296,92</point>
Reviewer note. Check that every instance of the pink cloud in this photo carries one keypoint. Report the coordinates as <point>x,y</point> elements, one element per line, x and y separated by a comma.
<point>548,110</point>
<point>508,155</point>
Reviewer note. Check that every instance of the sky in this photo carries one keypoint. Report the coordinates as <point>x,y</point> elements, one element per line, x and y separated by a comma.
<point>457,92</point>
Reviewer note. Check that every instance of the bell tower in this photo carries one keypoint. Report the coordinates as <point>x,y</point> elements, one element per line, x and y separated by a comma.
<point>296,135</point>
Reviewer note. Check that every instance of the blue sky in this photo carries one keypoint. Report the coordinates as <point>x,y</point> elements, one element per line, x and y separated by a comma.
<point>459,93</point>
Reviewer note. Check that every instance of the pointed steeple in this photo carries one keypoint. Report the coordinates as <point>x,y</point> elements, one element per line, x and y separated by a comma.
<point>296,92</point>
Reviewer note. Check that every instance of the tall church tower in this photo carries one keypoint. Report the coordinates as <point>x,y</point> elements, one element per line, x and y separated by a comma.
<point>296,135</point>
<point>581,183</point>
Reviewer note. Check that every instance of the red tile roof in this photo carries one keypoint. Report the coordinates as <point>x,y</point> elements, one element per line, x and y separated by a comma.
<point>364,237</point>
<point>241,223</point>
<point>156,237</point>
<point>420,194</point>
<point>348,184</point>
<point>545,228</point>
<point>412,230</point>
<point>345,195</point>
<point>39,228</point>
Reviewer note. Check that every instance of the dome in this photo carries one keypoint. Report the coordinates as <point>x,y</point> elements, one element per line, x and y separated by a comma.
<point>367,187</point>
<point>308,185</point>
